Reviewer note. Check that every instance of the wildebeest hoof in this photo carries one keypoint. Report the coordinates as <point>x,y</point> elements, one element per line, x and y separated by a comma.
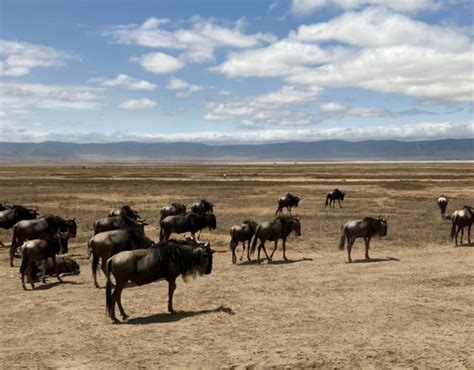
<point>115,321</point>
<point>172,312</point>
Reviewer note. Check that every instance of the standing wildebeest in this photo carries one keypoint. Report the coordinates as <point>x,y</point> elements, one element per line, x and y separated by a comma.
<point>11,214</point>
<point>362,228</point>
<point>279,228</point>
<point>44,225</point>
<point>242,233</point>
<point>461,219</point>
<point>289,201</point>
<point>36,250</point>
<point>173,210</point>
<point>442,203</point>
<point>165,260</point>
<point>202,207</point>
<point>117,222</point>
<point>104,245</point>
<point>190,222</point>
<point>334,195</point>
<point>124,210</point>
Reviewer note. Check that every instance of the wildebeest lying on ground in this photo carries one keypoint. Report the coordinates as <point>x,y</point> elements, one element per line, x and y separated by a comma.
<point>173,210</point>
<point>334,195</point>
<point>289,201</point>
<point>190,222</point>
<point>44,225</point>
<point>117,222</point>
<point>104,245</point>
<point>242,233</point>
<point>165,260</point>
<point>442,203</point>
<point>202,207</point>
<point>125,210</point>
<point>65,265</point>
<point>461,219</point>
<point>273,230</point>
<point>365,228</point>
<point>10,214</point>
<point>36,250</point>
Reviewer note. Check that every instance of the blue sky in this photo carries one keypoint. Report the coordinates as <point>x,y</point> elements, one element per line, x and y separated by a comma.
<point>235,71</point>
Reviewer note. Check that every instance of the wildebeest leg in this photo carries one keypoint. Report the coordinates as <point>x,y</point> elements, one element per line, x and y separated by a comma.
<point>234,257</point>
<point>53,257</point>
<point>469,234</point>
<point>171,288</point>
<point>243,251</point>
<point>350,243</point>
<point>457,232</point>
<point>265,251</point>
<point>367,244</point>
<point>95,263</point>
<point>30,278</point>
<point>12,253</point>
<point>284,250</point>
<point>118,299</point>
<point>248,252</point>
<point>462,233</point>
<point>274,249</point>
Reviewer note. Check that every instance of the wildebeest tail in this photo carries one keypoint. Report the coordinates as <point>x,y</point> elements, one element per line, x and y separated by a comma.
<point>327,199</point>
<point>162,233</point>
<point>453,227</point>
<point>255,240</point>
<point>342,241</point>
<point>231,244</point>
<point>108,289</point>
<point>90,248</point>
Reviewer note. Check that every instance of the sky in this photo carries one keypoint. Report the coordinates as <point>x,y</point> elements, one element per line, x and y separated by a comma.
<point>235,71</point>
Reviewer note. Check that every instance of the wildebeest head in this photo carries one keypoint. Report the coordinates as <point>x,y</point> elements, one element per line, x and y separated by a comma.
<point>382,226</point>
<point>296,226</point>
<point>203,255</point>
<point>71,227</point>
<point>211,221</point>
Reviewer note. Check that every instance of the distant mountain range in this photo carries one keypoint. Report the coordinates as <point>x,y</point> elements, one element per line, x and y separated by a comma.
<point>329,150</point>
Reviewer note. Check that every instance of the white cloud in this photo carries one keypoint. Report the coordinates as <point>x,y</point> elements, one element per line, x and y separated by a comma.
<point>14,96</point>
<point>183,88</point>
<point>19,58</point>
<point>198,39</point>
<point>305,7</point>
<point>333,109</point>
<point>123,80</point>
<point>159,63</point>
<point>138,104</point>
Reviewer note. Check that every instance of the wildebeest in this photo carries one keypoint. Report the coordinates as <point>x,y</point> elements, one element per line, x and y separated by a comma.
<point>165,260</point>
<point>365,228</point>
<point>10,214</point>
<point>173,210</point>
<point>242,233</point>
<point>202,207</point>
<point>273,230</point>
<point>442,203</point>
<point>124,210</point>
<point>461,219</point>
<point>334,195</point>
<point>104,245</point>
<point>117,222</point>
<point>65,265</point>
<point>36,250</point>
<point>289,201</point>
<point>44,225</point>
<point>190,222</point>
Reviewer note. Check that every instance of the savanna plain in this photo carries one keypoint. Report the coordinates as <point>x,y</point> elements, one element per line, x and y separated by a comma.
<point>412,305</point>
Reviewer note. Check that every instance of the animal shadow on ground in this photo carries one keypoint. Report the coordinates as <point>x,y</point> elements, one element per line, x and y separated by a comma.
<point>277,262</point>
<point>167,317</point>
<point>56,283</point>
<point>466,245</point>
<point>372,260</point>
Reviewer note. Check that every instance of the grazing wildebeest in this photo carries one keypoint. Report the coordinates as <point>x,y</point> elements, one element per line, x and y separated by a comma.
<point>125,210</point>
<point>362,228</point>
<point>10,214</point>
<point>442,203</point>
<point>289,201</point>
<point>165,260</point>
<point>242,233</point>
<point>36,250</point>
<point>65,265</point>
<point>279,228</point>
<point>173,210</point>
<point>202,207</point>
<point>117,222</point>
<point>190,222</point>
<point>104,245</point>
<point>461,219</point>
<point>44,225</point>
<point>334,195</point>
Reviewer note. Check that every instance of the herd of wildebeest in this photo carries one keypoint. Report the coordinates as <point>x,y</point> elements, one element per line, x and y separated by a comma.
<point>123,250</point>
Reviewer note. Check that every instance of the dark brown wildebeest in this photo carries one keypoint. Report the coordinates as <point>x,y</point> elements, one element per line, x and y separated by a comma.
<point>12,213</point>
<point>190,222</point>
<point>36,250</point>
<point>104,245</point>
<point>44,225</point>
<point>461,219</point>
<point>273,230</point>
<point>242,233</point>
<point>202,207</point>
<point>442,203</point>
<point>334,195</point>
<point>165,260</point>
<point>125,210</point>
<point>117,222</point>
<point>173,210</point>
<point>365,228</point>
<point>65,265</point>
<point>288,201</point>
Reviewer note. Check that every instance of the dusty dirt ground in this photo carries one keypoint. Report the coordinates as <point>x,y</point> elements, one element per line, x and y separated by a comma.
<point>412,305</point>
